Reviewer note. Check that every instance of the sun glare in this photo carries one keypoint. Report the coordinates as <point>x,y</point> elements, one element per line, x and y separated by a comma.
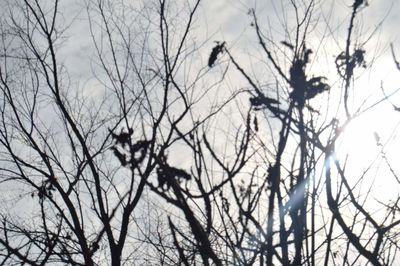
<point>358,142</point>
<point>366,148</point>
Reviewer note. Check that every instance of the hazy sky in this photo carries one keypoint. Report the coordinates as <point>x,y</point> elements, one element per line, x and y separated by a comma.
<point>229,20</point>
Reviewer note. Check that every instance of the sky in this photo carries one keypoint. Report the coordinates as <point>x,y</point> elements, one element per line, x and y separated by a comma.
<point>228,20</point>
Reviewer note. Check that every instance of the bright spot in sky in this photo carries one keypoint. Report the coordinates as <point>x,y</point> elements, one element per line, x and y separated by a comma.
<point>358,142</point>
<point>367,148</point>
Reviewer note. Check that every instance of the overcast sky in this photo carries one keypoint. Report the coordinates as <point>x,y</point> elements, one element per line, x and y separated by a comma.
<point>229,20</point>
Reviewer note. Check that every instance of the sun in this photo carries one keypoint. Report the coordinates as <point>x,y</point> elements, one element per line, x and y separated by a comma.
<point>358,142</point>
<point>367,150</point>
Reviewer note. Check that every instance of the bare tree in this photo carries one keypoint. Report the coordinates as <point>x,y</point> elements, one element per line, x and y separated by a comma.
<point>288,231</point>
<point>81,162</point>
<point>155,166</point>
<point>289,198</point>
